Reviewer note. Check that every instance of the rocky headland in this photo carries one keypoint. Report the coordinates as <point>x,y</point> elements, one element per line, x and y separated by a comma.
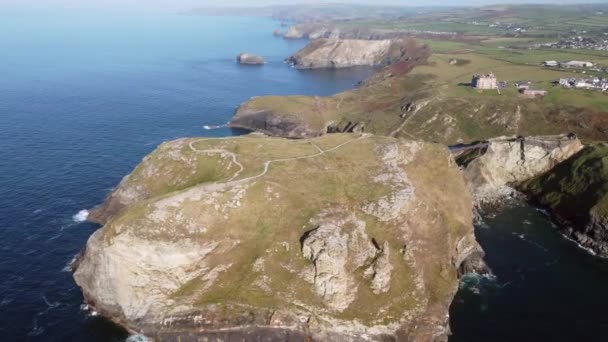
<point>576,194</point>
<point>346,237</point>
<point>376,105</point>
<point>344,53</point>
<point>249,59</point>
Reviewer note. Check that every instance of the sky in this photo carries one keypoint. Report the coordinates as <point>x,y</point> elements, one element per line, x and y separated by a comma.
<point>177,5</point>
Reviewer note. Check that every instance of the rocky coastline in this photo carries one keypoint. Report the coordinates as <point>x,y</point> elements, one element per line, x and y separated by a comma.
<point>574,194</point>
<point>312,116</point>
<point>340,237</point>
<point>167,266</point>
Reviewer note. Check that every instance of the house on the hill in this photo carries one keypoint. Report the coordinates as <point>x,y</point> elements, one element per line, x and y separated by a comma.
<point>484,81</point>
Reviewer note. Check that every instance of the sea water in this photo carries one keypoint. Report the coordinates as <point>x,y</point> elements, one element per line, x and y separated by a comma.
<point>542,288</point>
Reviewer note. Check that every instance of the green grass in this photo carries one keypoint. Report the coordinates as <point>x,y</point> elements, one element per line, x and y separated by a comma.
<point>576,188</point>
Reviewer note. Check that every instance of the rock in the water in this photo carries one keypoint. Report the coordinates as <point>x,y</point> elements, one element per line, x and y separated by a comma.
<point>343,237</point>
<point>249,59</point>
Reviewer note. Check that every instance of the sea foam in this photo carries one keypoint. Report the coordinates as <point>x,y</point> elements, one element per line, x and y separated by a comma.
<point>81,216</point>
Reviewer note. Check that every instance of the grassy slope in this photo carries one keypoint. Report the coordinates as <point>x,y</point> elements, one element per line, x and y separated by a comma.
<point>454,112</point>
<point>577,187</point>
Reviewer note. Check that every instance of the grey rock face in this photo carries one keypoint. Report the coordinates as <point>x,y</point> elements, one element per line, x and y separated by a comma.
<point>509,161</point>
<point>332,53</point>
<point>268,123</point>
<point>336,254</point>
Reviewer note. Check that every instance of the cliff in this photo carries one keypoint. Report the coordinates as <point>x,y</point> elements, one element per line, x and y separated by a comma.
<point>576,193</point>
<point>493,168</point>
<point>342,237</point>
<point>336,53</point>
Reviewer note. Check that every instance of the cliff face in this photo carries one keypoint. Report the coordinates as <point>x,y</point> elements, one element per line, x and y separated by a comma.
<point>335,53</point>
<point>343,237</point>
<point>494,168</point>
<point>576,193</point>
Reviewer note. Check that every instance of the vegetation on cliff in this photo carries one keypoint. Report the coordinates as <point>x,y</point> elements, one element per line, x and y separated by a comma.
<point>576,191</point>
<point>340,235</point>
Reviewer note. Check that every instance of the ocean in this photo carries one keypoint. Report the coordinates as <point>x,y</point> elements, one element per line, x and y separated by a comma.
<point>85,96</point>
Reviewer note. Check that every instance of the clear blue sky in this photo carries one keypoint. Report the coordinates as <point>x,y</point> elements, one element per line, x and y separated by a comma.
<point>187,4</point>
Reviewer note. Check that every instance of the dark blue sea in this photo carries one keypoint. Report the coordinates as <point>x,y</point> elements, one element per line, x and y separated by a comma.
<point>85,96</point>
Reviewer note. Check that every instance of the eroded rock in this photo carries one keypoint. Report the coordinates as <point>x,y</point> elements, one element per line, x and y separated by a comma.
<point>218,254</point>
<point>508,161</point>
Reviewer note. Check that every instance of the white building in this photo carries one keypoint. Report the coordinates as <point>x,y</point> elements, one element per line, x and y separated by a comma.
<point>550,63</point>
<point>577,64</point>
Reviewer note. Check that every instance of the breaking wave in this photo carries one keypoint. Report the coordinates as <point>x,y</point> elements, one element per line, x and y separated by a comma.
<point>81,216</point>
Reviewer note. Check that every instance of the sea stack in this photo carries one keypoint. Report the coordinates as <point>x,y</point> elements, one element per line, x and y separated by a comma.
<point>249,59</point>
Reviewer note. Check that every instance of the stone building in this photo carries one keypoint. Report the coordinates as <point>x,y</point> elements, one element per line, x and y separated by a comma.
<point>484,81</point>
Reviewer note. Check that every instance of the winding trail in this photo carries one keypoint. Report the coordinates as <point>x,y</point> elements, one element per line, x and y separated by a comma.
<point>267,163</point>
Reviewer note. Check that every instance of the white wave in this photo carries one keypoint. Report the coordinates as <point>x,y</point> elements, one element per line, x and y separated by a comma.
<point>6,301</point>
<point>210,127</point>
<point>81,216</point>
<point>49,304</point>
<point>36,330</point>
<point>69,266</point>
<point>137,338</point>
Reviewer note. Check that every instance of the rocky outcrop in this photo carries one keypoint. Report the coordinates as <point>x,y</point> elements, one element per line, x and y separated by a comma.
<point>336,53</point>
<point>249,59</point>
<point>295,32</point>
<point>343,237</point>
<point>276,123</point>
<point>576,194</point>
<point>493,168</point>
<point>336,254</point>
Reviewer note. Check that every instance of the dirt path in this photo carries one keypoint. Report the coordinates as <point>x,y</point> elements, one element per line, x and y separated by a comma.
<point>268,162</point>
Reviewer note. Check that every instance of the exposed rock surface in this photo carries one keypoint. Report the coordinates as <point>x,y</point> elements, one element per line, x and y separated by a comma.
<point>337,53</point>
<point>493,169</point>
<point>576,193</point>
<point>344,238</point>
<point>249,59</point>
